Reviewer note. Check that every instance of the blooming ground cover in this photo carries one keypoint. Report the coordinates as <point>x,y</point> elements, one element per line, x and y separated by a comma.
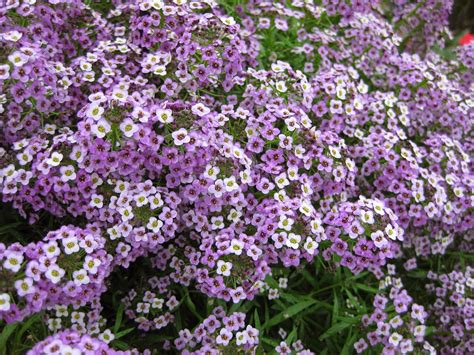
<point>226,177</point>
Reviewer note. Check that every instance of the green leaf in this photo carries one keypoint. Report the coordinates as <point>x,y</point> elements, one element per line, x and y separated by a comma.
<point>192,307</point>
<point>119,344</point>
<point>118,318</point>
<point>5,335</point>
<point>348,344</point>
<point>258,325</point>
<point>25,326</point>
<point>123,333</point>
<point>288,313</point>
<point>291,337</point>
<point>334,330</point>
<point>269,341</point>
<point>366,288</point>
<point>335,308</point>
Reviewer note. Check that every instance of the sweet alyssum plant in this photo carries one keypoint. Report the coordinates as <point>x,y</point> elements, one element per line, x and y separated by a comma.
<point>289,177</point>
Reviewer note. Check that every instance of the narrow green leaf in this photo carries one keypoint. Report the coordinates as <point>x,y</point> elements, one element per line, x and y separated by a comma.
<point>118,318</point>
<point>335,308</point>
<point>192,307</point>
<point>288,313</point>
<point>123,333</point>
<point>366,288</point>
<point>348,345</point>
<point>257,320</point>
<point>25,326</point>
<point>119,344</point>
<point>5,335</point>
<point>334,330</point>
<point>291,337</point>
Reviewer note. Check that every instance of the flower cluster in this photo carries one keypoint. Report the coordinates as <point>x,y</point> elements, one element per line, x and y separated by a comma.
<point>153,308</point>
<point>453,309</point>
<point>68,266</point>
<point>397,324</point>
<point>71,342</point>
<point>216,332</point>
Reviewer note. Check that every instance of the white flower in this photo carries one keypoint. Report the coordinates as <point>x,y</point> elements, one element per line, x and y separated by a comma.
<point>54,324</point>
<point>18,59</point>
<point>335,152</point>
<point>54,273</point>
<point>113,233</point>
<point>126,213</point>
<point>55,159</point>
<point>181,137</point>
<point>80,277</point>
<point>285,223</point>
<point>101,128</point>
<point>293,173</point>
<point>316,226</point>
<point>154,224</point>
<point>395,339</point>
<point>236,247</point>
<point>306,208</point>
<point>310,245</point>
<point>217,222</point>
<point>293,241</point>
<point>68,350</point>
<point>120,95</point>
<point>141,199</point>
<point>71,245</point>
<point>229,21</point>
<point>281,181</point>
<point>61,311</point>
<point>234,215</point>
<point>13,262</point>
<point>107,336</point>
<point>341,93</point>
<point>391,232</point>
<point>13,36</point>
<point>367,217</point>
<point>155,201</point>
<point>157,303</point>
<point>160,70</point>
<point>97,201</point>
<point>4,302</point>
<point>24,287</point>
<point>128,127</point>
<point>143,307</point>
<point>77,317</point>
<point>211,172</point>
<point>91,264</point>
<point>378,207</point>
<point>245,176</point>
<point>223,268</point>
<point>68,173</point>
<point>230,184</point>
<point>164,116</point>
<point>241,338</point>
<point>95,111</point>
<point>24,158</point>
<point>281,86</point>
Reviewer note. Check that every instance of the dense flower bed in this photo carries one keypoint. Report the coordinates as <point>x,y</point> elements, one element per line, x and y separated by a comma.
<point>216,145</point>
